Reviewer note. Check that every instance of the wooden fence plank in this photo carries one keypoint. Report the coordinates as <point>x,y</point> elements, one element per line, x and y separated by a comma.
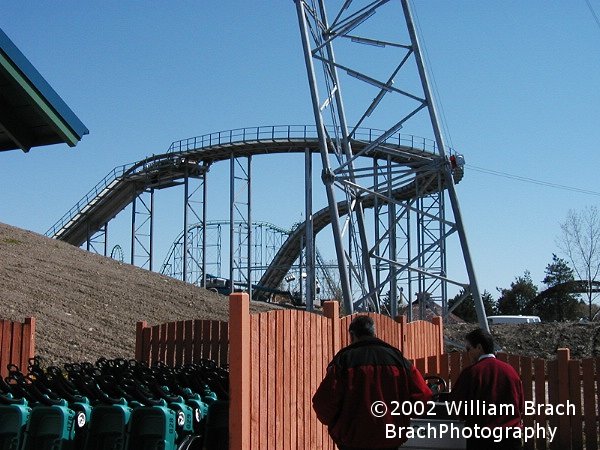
<point>188,332</point>
<point>279,381</point>
<point>323,360</point>
<point>301,422</point>
<point>224,344</point>
<point>154,339</point>
<point>15,347</point>
<point>197,346</point>
<point>26,341</point>
<point>552,375</point>
<point>262,350</point>
<point>527,379</point>
<point>206,339</point>
<point>574,386</point>
<point>590,408</point>
<point>255,382</point>
<point>170,356</point>
<point>215,336</point>
<point>515,362</point>
<point>293,374</point>
<point>312,437</point>
<point>287,375</point>
<point>3,358</point>
<point>564,433</point>
<point>539,369</point>
<point>146,344</point>
<point>271,380</point>
<point>6,344</point>
<point>162,352</point>
<point>179,344</point>
<point>444,367</point>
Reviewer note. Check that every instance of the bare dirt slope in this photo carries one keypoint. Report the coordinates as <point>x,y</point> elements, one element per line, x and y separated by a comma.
<point>85,305</point>
<point>537,340</point>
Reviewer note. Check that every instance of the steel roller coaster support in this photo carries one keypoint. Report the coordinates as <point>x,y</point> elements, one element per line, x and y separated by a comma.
<point>354,23</point>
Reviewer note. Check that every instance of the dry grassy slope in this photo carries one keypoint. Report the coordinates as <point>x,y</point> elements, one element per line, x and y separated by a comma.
<point>86,306</point>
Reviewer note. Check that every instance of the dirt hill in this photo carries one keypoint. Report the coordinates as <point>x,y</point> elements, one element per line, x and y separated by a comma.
<point>86,306</point>
<point>537,340</point>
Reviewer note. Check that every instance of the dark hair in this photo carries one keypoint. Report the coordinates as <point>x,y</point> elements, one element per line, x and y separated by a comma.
<point>480,336</point>
<point>362,326</point>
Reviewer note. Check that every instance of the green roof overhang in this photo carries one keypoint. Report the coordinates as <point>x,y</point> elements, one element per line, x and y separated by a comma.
<point>31,112</point>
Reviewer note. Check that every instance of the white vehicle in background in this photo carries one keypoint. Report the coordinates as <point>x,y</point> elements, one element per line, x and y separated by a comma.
<point>494,320</point>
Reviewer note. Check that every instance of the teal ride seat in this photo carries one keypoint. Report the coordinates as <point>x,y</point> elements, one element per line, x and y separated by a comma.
<point>108,427</point>
<point>152,428</point>
<point>50,428</point>
<point>13,422</point>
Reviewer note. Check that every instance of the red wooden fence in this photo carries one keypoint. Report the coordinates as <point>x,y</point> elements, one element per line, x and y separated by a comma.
<point>280,360</point>
<point>17,344</point>
<point>183,342</point>
<point>277,360</point>
<point>546,382</point>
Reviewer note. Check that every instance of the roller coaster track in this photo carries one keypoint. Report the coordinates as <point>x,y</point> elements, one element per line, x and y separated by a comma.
<point>292,247</point>
<point>571,287</point>
<point>192,157</point>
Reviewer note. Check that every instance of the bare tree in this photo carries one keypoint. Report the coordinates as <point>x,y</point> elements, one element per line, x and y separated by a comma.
<point>580,242</point>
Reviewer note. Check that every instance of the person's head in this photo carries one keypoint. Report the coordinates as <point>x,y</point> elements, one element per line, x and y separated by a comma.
<point>478,342</point>
<point>361,327</point>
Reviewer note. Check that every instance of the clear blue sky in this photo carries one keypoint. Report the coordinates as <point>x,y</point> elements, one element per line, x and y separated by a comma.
<point>519,83</point>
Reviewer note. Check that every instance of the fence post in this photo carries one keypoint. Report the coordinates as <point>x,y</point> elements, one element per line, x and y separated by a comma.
<point>239,371</point>
<point>331,310</point>
<point>437,321</point>
<point>139,330</point>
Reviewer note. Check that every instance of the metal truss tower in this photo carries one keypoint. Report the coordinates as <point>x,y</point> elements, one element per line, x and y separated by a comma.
<point>405,244</point>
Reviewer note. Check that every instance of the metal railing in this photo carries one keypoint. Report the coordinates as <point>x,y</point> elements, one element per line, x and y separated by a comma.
<point>293,133</point>
<point>235,136</point>
<point>113,175</point>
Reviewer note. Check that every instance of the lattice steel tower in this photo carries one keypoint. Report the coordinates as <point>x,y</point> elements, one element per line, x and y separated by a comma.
<point>399,249</point>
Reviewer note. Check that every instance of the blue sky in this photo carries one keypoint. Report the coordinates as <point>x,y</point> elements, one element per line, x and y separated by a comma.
<point>518,83</point>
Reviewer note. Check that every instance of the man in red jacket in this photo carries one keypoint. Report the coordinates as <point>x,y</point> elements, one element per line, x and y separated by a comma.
<point>489,385</point>
<point>367,379</point>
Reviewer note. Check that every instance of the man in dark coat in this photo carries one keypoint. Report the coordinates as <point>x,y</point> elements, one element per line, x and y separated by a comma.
<point>367,379</point>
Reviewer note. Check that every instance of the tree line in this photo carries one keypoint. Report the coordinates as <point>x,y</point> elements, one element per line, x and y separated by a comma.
<point>570,283</point>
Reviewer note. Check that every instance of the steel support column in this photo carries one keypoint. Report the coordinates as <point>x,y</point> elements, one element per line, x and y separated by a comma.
<point>194,213</point>
<point>142,228</point>
<point>240,222</point>
<point>474,287</point>
<point>100,237</point>
<point>308,233</point>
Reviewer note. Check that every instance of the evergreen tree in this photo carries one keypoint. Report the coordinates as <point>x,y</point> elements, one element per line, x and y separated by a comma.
<point>466,309</point>
<point>518,299</point>
<point>557,302</point>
